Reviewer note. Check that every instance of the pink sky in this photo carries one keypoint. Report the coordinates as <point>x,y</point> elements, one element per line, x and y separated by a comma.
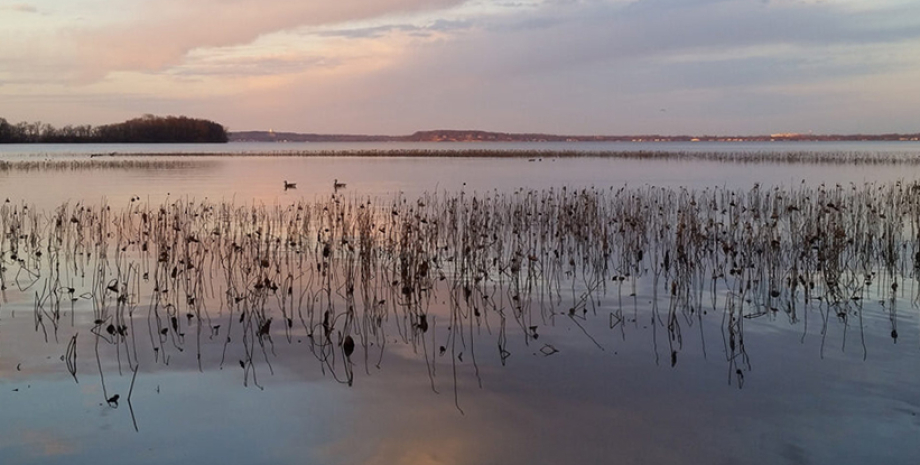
<point>397,66</point>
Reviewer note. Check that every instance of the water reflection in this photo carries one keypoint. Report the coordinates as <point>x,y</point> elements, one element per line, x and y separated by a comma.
<point>347,277</point>
<point>260,178</point>
<point>571,324</point>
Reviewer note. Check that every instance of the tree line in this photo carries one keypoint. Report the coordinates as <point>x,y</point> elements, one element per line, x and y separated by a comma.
<point>146,129</point>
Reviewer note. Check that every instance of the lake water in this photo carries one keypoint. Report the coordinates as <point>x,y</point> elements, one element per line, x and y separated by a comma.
<point>522,357</point>
<point>260,179</point>
<point>38,150</point>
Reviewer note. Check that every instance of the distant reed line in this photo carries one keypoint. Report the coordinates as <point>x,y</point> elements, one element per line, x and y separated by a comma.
<point>129,161</point>
<point>94,164</point>
<point>799,157</point>
<point>766,156</point>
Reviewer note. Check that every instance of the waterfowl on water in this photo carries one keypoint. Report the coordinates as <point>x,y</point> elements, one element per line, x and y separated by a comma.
<point>337,185</point>
<point>290,185</point>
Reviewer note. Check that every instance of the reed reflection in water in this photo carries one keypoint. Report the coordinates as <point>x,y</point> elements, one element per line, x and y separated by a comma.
<point>452,286</point>
<point>349,276</point>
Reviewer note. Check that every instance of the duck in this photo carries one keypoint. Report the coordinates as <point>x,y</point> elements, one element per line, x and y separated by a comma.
<point>336,185</point>
<point>290,185</point>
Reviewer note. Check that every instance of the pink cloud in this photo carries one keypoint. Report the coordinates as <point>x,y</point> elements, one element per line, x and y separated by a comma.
<point>165,30</point>
<point>20,7</point>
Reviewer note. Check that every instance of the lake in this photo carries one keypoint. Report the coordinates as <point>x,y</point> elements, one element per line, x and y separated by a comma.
<point>460,310</point>
<point>257,178</point>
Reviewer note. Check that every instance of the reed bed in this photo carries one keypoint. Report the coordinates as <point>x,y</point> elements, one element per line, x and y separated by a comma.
<point>349,275</point>
<point>739,156</point>
<point>859,158</point>
<point>80,164</point>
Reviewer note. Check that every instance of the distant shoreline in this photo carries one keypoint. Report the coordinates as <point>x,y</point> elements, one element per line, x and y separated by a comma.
<point>486,136</point>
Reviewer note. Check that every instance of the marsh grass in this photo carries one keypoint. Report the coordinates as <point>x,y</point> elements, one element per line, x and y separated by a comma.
<point>348,276</point>
<point>81,164</point>
<point>168,160</point>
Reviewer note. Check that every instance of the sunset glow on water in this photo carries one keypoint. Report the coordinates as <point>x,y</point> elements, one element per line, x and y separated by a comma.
<point>459,232</point>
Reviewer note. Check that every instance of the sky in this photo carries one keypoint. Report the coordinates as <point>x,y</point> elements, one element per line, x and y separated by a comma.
<point>610,67</point>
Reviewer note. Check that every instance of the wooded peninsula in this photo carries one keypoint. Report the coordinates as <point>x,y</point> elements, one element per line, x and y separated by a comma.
<point>146,129</point>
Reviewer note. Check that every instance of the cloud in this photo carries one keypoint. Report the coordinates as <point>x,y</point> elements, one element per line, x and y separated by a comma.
<point>20,7</point>
<point>163,31</point>
<point>440,25</point>
<point>256,66</point>
<point>718,66</point>
<point>556,37</point>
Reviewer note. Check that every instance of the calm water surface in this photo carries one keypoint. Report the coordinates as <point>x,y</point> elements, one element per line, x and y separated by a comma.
<point>813,390</point>
<point>39,150</point>
<point>260,179</point>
